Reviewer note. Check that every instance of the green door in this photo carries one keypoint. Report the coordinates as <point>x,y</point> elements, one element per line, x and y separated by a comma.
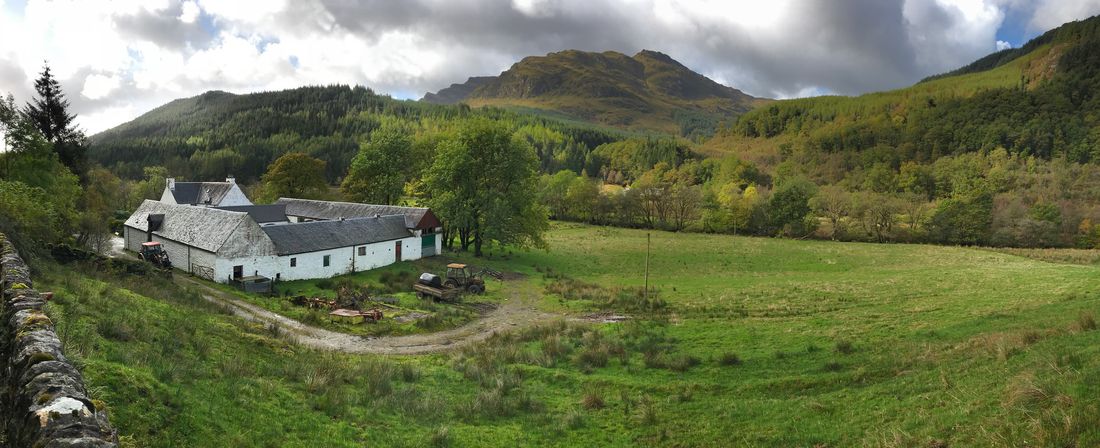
<point>427,245</point>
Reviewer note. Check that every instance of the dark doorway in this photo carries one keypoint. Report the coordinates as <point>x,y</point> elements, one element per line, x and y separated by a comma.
<point>238,272</point>
<point>397,250</point>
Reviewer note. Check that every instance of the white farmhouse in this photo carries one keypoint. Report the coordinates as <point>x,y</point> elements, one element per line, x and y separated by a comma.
<point>209,194</point>
<point>223,244</point>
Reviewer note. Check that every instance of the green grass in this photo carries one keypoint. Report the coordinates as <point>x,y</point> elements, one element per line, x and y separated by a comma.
<point>394,282</point>
<point>763,343</point>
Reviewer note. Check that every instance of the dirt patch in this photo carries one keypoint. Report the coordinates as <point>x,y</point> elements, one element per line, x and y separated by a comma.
<point>510,276</point>
<point>516,311</point>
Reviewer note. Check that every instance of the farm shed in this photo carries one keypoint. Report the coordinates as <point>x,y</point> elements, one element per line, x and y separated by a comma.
<point>209,194</point>
<point>229,243</point>
<point>419,220</point>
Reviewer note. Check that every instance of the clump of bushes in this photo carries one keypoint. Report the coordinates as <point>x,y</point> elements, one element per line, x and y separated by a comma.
<point>1085,322</point>
<point>592,399</point>
<point>729,359</point>
<point>845,347</point>
<point>395,281</point>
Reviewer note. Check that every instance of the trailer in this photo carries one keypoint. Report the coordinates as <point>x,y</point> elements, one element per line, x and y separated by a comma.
<point>442,293</point>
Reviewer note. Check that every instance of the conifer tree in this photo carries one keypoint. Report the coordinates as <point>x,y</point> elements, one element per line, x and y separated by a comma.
<point>49,112</point>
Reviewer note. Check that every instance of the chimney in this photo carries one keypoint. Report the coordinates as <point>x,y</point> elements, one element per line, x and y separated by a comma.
<point>171,183</point>
<point>231,179</point>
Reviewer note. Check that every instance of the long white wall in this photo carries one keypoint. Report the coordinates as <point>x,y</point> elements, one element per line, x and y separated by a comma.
<point>311,265</point>
<point>308,265</point>
<point>183,257</point>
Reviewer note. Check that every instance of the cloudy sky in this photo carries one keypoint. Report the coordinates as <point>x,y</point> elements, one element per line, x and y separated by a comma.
<point>119,59</point>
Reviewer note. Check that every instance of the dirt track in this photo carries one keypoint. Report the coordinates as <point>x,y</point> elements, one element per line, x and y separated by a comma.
<point>517,311</point>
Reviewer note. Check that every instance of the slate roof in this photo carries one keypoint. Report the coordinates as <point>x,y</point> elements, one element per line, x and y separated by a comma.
<point>202,227</point>
<point>210,193</point>
<point>296,238</point>
<point>415,217</point>
<point>262,214</point>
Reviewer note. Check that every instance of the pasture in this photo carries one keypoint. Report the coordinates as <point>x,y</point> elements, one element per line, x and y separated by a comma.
<point>744,342</point>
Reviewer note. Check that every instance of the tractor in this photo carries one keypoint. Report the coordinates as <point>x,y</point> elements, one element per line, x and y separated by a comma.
<point>458,276</point>
<point>458,280</point>
<point>153,252</point>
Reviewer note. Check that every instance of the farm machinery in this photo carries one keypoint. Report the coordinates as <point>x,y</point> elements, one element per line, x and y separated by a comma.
<point>152,252</point>
<point>458,280</point>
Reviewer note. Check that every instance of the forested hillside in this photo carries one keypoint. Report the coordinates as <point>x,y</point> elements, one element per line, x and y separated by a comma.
<point>217,134</point>
<point>649,91</point>
<point>1001,151</point>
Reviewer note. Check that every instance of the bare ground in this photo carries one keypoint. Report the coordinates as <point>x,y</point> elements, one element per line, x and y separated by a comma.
<point>517,311</point>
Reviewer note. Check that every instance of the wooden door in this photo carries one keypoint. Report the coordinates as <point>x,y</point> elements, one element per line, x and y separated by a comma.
<point>397,250</point>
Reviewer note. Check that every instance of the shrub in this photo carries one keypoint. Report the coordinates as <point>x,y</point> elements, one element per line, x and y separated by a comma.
<point>593,357</point>
<point>592,399</point>
<point>1086,322</point>
<point>845,347</point>
<point>1030,337</point>
<point>647,412</point>
<point>572,420</point>
<point>682,363</point>
<point>729,359</point>
<point>439,437</point>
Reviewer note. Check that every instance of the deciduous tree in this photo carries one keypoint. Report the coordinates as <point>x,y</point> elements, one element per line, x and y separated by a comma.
<point>294,175</point>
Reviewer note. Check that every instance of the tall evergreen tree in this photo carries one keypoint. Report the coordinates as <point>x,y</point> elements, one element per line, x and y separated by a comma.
<point>50,114</point>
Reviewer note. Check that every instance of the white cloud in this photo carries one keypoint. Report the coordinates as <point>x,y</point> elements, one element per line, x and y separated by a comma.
<point>1002,45</point>
<point>1052,13</point>
<point>189,12</point>
<point>120,58</point>
<point>98,86</point>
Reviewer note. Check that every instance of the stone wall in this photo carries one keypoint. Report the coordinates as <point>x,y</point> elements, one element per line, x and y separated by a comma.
<point>43,402</point>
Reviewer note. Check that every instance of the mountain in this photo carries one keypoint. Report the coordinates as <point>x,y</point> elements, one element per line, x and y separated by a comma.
<point>1040,100</point>
<point>647,91</point>
<point>456,93</point>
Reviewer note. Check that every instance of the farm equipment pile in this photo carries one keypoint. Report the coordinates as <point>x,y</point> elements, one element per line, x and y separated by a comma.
<point>459,280</point>
<point>349,304</point>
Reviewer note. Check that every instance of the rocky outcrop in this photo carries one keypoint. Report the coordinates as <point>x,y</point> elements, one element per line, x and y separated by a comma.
<point>44,402</point>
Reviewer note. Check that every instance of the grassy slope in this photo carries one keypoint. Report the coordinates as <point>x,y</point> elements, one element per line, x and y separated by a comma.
<point>973,347</point>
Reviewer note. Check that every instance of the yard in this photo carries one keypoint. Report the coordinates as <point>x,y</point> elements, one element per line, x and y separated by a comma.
<point>741,342</point>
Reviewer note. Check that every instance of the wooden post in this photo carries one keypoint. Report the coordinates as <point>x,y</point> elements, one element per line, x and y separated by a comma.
<point>647,267</point>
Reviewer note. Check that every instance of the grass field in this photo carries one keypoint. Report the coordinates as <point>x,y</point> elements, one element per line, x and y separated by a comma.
<point>762,342</point>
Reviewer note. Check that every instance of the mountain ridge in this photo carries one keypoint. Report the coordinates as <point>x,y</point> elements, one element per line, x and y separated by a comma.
<point>649,90</point>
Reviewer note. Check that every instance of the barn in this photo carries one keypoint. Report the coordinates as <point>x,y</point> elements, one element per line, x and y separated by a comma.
<point>420,220</point>
<point>222,244</point>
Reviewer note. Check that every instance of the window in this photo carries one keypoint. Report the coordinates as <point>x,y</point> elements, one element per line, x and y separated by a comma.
<point>327,260</point>
<point>362,250</point>
<point>293,262</point>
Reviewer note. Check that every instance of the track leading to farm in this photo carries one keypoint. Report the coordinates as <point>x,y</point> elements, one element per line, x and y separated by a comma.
<point>517,311</point>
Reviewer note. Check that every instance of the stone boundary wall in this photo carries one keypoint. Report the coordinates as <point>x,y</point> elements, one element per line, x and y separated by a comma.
<point>43,401</point>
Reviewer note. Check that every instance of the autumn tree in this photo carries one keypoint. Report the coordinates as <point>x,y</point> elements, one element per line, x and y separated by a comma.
<point>294,175</point>
<point>834,204</point>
